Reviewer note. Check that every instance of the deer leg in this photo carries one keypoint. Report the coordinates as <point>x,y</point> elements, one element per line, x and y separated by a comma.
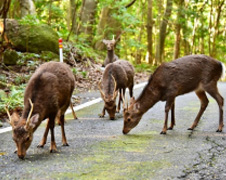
<point>73,112</point>
<point>131,91</point>
<point>172,117</point>
<point>119,100</point>
<point>64,140</point>
<point>204,103</point>
<point>167,108</point>
<point>103,113</point>
<point>51,126</point>
<point>220,101</point>
<point>43,141</point>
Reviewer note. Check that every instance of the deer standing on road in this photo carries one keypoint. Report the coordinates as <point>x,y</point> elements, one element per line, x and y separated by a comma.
<point>198,73</point>
<point>47,95</point>
<point>116,78</point>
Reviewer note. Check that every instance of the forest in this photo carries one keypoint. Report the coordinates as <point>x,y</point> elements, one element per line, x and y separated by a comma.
<point>147,33</point>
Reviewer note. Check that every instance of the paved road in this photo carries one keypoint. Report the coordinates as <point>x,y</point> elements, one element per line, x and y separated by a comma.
<point>99,150</point>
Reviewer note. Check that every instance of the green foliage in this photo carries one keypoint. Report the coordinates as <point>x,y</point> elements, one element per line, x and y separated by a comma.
<point>74,71</point>
<point>14,98</point>
<point>133,22</point>
<point>84,74</point>
<point>30,20</point>
<point>144,67</point>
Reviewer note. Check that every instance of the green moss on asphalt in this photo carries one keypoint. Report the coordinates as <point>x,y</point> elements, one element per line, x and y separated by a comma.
<point>118,159</point>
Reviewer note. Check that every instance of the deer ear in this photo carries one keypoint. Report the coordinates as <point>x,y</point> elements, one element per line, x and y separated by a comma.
<point>33,122</point>
<point>132,100</point>
<point>136,107</point>
<point>14,119</point>
<point>104,41</point>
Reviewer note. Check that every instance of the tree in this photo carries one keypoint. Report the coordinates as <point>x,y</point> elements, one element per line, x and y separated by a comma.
<point>216,32</point>
<point>178,29</point>
<point>27,7</point>
<point>109,24</point>
<point>150,32</point>
<point>87,18</point>
<point>162,32</point>
<point>4,8</point>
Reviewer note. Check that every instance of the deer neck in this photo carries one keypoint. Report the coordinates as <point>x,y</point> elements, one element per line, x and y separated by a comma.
<point>147,99</point>
<point>111,55</point>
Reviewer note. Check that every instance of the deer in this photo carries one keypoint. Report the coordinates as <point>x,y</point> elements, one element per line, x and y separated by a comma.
<point>116,78</point>
<point>198,73</point>
<point>111,57</point>
<point>47,96</point>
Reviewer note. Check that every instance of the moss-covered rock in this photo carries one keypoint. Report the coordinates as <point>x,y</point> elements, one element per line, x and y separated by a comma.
<point>10,57</point>
<point>31,38</point>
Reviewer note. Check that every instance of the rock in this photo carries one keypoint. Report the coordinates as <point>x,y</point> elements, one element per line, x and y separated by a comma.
<point>33,38</point>
<point>10,57</point>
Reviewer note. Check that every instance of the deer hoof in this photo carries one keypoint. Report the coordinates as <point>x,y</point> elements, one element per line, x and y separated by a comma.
<point>170,128</point>
<point>53,151</point>
<point>65,144</point>
<point>163,132</point>
<point>40,146</point>
<point>219,130</point>
<point>191,129</point>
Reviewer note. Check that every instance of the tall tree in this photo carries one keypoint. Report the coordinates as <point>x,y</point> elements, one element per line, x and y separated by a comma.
<point>219,9</point>
<point>87,17</point>
<point>27,7</point>
<point>149,32</point>
<point>109,25</point>
<point>178,29</point>
<point>162,32</point>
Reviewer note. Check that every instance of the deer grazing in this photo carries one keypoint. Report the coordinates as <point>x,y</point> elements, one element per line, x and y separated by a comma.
<point>47,95</point>
<point>197,73</point>
<point>111,57</point>
<point>116,78</point>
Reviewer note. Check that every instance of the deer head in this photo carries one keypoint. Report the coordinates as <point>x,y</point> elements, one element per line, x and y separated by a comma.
<point>110,44</point>
<point>23,130</point>
<point>110,100</point>
<point>132,115</point>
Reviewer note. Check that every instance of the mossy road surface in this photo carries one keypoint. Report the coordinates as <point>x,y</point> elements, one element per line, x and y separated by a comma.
<point>99,150</point>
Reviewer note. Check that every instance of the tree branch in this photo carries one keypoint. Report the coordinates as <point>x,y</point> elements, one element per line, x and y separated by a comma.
<point>130,4</point>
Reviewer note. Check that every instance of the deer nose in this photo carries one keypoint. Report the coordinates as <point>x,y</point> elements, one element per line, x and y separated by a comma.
<point>125,131</point>
<point>112,118</point>
<point>21,157</point>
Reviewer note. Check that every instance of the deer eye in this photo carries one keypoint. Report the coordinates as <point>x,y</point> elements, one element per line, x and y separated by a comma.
<point>28,138</point>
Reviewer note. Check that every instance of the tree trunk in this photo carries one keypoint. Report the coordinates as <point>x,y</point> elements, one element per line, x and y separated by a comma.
<point>149,32</point>
<point>27,7</point>
<point>107,27</point>
<point>178,29</point>
<point>87,18</point>
<point>216,28</point>
<point>162,32</point>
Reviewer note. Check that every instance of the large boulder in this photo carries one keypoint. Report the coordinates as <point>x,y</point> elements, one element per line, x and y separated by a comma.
<point>31,38</point>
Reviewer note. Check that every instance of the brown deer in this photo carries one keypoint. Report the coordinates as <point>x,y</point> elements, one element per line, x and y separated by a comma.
<point>197,73</point>
<point>47,95</point>
<point>116,78</point>
<point>111,57</point>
